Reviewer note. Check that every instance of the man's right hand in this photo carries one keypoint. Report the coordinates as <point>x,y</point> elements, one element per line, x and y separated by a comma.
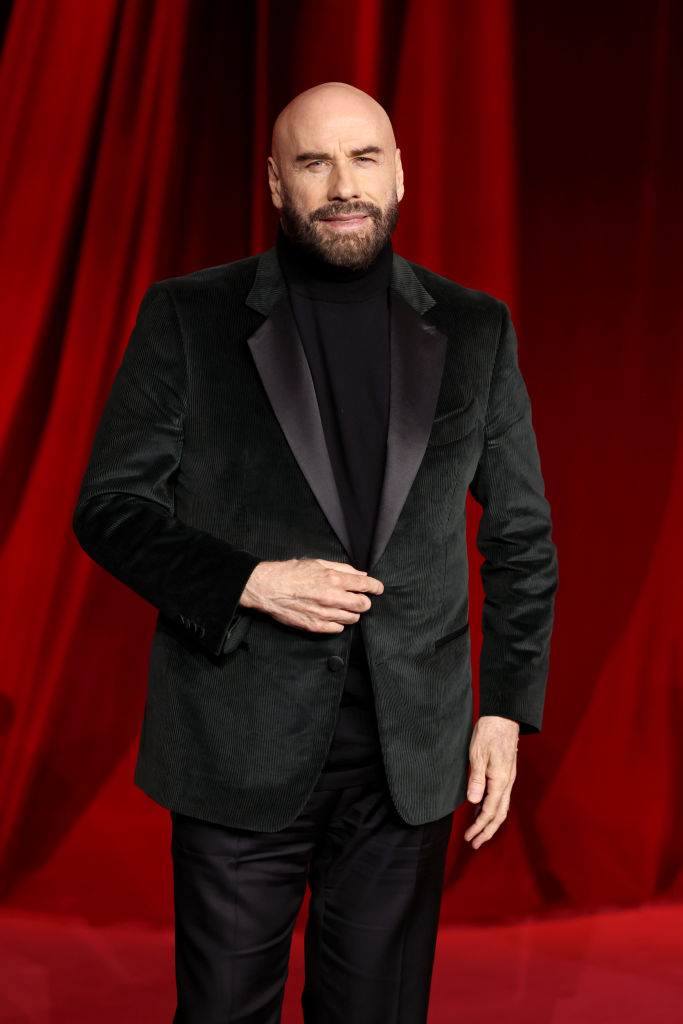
<point>310,593</point>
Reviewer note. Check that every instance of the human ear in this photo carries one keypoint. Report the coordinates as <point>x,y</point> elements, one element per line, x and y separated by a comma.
<point>399,176</point>
<point>274,184</point>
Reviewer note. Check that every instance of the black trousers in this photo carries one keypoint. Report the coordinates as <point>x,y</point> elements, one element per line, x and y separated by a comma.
<point>369,944</point>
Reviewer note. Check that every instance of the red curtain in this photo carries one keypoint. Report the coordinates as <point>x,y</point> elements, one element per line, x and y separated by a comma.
<point>543,157</point>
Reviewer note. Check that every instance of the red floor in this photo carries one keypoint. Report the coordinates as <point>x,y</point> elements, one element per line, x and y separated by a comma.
<point>619,967</point>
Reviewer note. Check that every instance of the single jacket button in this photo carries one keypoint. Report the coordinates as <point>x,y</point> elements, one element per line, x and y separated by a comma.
<point>334,663</point>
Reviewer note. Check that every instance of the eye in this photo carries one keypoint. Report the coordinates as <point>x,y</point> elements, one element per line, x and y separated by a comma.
<point>365,160</point>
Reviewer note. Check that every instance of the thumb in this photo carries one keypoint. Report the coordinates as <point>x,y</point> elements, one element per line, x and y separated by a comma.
<point>476,787</point>
<point>477,781</point>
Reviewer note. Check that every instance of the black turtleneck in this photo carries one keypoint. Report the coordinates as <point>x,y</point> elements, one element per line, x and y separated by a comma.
<point>343,320</point>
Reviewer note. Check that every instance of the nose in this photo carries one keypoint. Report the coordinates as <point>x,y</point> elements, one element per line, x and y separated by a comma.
<point>342,184</point>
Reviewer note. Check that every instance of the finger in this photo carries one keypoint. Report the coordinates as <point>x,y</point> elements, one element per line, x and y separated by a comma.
<point>363,584</point>
<point>489,830</point>
<point>341,567</point>
<point>336,614</point>
<point>325,610</point>
<point>486,814</point>
<point>478,825</point>
<point>492,813</point>
<point>345,600</point>
<point>336,577</point>
<point>320,626</point>
<point>485,834</point>
<point>371,586</point>
<point>489,804</point>
<point>310,623</point>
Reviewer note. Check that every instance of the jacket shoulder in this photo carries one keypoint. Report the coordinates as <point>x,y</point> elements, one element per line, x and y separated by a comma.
<point>443,290</point>
<point>237,275</point>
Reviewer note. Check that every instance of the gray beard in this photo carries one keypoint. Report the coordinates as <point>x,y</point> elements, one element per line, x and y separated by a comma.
<point>357,252</point>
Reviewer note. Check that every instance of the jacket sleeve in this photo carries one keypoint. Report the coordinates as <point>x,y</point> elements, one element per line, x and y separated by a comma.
<point>125,517</point>
<point>519,571</point>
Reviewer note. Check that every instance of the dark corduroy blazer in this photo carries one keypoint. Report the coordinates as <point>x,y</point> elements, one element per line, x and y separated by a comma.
<point>210,456</point>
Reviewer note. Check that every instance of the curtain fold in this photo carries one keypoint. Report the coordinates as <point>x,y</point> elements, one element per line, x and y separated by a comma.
<point>543,161</point>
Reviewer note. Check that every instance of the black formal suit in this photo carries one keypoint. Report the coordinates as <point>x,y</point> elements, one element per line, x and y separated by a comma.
<point>210,456</point>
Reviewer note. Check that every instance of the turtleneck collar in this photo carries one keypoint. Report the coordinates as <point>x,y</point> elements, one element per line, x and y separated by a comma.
<point>308,275</point>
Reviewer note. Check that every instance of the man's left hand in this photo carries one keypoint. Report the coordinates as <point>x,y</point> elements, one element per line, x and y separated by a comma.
<point>493,766</point>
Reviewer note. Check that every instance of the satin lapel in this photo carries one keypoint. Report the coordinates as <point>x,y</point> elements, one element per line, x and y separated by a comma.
<point>281,362</point>
<point>418,352</point>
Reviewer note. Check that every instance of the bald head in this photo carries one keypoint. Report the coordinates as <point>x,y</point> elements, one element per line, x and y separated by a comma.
<point>326,107</point>
<point>335,173</point>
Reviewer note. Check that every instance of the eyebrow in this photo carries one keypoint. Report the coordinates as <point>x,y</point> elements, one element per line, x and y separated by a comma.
<point>363,151</point>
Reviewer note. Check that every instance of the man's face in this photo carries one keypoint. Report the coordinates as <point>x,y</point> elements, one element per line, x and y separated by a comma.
<point>336,179</point>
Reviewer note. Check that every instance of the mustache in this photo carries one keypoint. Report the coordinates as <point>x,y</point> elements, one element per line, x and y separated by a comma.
<point>344,209</point>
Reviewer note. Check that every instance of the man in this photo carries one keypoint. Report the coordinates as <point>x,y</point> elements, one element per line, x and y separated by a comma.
<point>281,469</point>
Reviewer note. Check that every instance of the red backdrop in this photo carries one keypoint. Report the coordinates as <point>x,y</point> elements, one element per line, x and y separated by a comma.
<point>542,147</point>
